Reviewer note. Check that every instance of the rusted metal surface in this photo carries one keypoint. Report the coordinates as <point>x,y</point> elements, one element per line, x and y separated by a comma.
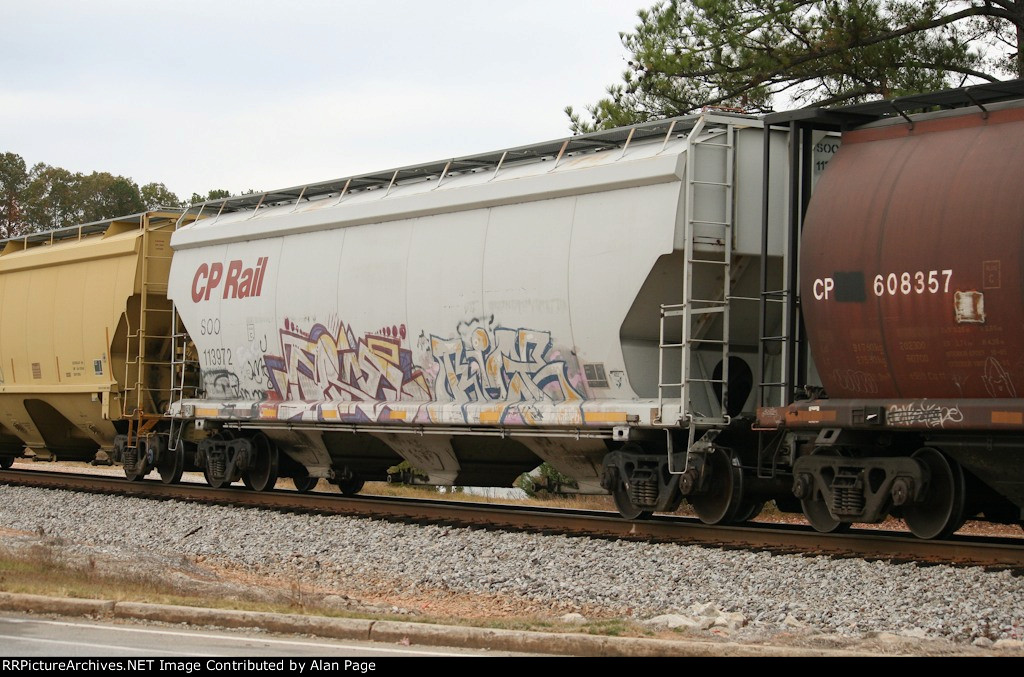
<point>912,257</point>
<point>925,415</point>
<point>1002,553</point>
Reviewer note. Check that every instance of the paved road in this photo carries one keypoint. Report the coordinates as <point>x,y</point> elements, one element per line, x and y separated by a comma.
<point>31,636</point>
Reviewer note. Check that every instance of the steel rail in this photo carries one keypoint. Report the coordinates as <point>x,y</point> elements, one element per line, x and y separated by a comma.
<point>999,553</point>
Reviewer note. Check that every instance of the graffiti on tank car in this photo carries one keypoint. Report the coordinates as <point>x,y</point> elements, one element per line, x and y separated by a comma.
<point>997,379</point>
<point>855,381</point>
<point>492,363</point>
<point>239,281</point>
<point>330,363</point>
<point>924,413</point>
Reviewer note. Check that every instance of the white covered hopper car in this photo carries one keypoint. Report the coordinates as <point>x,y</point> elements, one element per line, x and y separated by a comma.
<point>590,302</point>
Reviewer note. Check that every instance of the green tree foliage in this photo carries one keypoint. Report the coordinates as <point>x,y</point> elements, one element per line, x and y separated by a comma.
<point>687,54</point>
<point>51,199</point>
<point>47,197</point>
<point>54,198</point>
<point>545,479</point>
<point>156,195</point>
<point>103,196</point>
<point>13,180</point>
<point>215,194</point>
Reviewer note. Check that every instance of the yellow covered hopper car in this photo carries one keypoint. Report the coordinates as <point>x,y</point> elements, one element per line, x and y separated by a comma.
<point>86,337</point>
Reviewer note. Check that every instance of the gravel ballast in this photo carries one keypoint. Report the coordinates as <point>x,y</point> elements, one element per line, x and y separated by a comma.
<point>735,594</point>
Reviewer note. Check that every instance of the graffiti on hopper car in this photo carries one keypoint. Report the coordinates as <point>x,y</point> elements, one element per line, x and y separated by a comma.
<point>510,375</point>
<point>222,384</point>
<point>331,363</point>
<point>484,362</point>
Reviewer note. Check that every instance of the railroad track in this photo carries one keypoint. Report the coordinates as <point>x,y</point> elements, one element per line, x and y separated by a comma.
<point>1000,553</point>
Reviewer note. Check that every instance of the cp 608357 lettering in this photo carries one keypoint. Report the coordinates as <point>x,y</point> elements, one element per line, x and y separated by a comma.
<point>916,282</point>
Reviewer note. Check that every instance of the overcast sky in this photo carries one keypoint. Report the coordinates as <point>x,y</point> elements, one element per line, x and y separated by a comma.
<point>260,94</point>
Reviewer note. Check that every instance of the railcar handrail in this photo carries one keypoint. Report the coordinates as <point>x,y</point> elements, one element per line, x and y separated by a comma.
<point>845,117</point>
<point>160,217</point>
<point>553,151</point>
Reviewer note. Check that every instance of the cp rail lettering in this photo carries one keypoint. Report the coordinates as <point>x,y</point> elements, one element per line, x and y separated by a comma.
<point>240,283</point>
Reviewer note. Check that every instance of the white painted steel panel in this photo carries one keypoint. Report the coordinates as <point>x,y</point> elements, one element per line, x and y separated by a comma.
<point>372,277</point>
<point>617,238</point>
<point>748,194</point>
<point>224,324</point>
<point>445,299</point>
<point>525,287</point>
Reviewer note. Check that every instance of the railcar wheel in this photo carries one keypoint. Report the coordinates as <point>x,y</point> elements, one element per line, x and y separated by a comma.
<point>942,510</point>
<point>216,484</point>
<point>170,462</point>
<point>261,473</point>
<point>134,460</point>
<point>351,486</point>
<point>749,510</point>
<point>626,507</point>
<point>215,465</point>
<point>303,482</point>
<point>721,501</point>
<point>6,462</point>
<point>817,513</point>
<point>816,509</point>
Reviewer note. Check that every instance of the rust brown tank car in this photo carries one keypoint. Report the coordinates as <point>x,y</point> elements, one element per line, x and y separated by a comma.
<point>911,260</point>
<point>912,295</point>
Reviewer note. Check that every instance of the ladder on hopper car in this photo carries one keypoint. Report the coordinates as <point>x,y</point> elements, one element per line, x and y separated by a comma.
<point>703,317</point>
<point>182,364</point>
<point>159,328</point>
<point>140,398</point>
